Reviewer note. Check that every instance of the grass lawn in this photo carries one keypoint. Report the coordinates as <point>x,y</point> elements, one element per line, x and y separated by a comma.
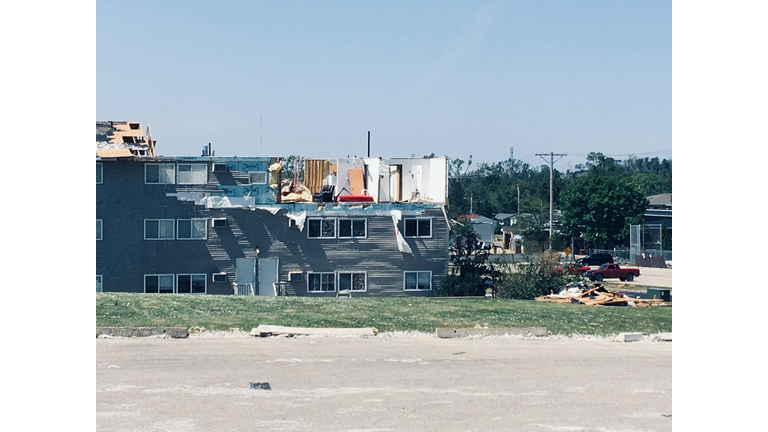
<point>211,312</point>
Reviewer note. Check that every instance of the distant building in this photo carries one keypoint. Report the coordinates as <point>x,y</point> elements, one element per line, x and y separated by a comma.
<point>223,225</point>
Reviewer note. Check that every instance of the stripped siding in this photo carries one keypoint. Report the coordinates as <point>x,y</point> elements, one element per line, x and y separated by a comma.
<point>124,257</point>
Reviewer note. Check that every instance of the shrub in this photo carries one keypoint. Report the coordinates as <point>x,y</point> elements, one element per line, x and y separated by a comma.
<point>466,285</point>
<point>529,281</point>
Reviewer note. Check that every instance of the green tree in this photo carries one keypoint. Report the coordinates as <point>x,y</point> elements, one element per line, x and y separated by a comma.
<point>651,184</point>
<point>468,257</point>
<point>601,208</point>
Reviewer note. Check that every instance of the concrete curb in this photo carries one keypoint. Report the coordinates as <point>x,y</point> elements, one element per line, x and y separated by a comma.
<point>269,330</point>
<point>637,337</point>
<point>172,332</point>
<point>464,332</point>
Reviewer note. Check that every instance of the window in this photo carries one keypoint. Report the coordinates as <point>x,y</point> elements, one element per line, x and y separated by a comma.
<point>159,173</point>
<point>191,229</point>
<point>320,282</point>
<point>98,283</point>
<point>295,276</point>
<point>321,228</point>
<point>158,229</point>
<point>98,229</point>
<point>417,280</point>
<point>219,167</point>
<point>352,281</point>
<point>257,177</point>
<point>352,228</point>
<point>418,227</point>
<point>99,173</point>
<point>190,284</point>
<point>159,283</point>
<point>192,174</point>
<point>219,277</point>
<point>219,222</point>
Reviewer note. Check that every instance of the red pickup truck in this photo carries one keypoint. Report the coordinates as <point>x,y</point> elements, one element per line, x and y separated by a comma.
<point>606,271</point>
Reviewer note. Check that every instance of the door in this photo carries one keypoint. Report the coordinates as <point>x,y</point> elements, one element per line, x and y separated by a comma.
<point>245,275</point>
<point>267,276</point>
<point>395,182</point>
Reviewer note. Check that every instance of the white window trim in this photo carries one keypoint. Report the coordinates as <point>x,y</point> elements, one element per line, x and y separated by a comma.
<point>100,167</point>
<point>174,229</point>
<point>335,228</point>
<point>417,280</point>
<point>417,219</point>
<point>173,177</point>
<point>352,272</point>
<point>205,224</point>
<point>192,164</point>
<point>352,228</point>
<point>173,285</point>
<point>176,283</point>
<point>300,279</point>
<point>335,287</point>
<point>99,283</point>
<point>100,223</point>
<point>266,177</point>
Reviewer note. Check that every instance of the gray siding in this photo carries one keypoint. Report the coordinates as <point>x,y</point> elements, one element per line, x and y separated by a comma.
<point>123,257</point>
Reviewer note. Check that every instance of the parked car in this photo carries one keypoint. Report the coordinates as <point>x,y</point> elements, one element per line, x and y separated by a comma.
<point>573,268</point>
<point>613,271</point>
<point>596,259</point>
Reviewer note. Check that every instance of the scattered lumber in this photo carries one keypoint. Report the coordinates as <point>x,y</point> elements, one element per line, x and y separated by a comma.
<point>597,295</point>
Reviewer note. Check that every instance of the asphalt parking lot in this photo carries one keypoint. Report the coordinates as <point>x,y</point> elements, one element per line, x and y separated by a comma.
<point>406,383</point>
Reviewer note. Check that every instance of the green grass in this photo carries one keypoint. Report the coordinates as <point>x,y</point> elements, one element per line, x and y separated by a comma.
<point>211,312</point>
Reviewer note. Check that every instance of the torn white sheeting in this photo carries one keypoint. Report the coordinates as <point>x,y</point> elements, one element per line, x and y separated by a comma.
<point>299,217</point>
<point>188,196</point>
<point>270,209</point>
<point>228,202</point>
<point>401,244</point>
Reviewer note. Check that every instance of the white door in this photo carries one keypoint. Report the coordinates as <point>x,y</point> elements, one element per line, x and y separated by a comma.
<point>267,276</point>
<point>245,275</point>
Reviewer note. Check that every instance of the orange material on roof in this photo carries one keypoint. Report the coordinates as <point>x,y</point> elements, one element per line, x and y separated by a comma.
<point>111,153</point>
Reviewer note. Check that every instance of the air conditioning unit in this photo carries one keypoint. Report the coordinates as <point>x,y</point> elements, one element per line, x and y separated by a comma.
<point>219,277</point>
<point>219,167</point>
<point>219,222</point>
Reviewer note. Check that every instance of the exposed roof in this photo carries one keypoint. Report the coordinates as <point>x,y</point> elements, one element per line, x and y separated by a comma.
<point>502,216</point>
<point>113,135</point>
<point>660,200</point>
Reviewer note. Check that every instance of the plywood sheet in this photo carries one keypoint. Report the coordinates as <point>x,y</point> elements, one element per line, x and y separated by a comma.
<point>356,184</point>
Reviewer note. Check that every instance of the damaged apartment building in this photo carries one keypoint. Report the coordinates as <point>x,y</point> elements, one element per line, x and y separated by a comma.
<point>268,226</point>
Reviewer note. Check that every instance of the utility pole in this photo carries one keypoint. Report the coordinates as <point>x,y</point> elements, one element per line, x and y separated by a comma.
<point>551,176</point>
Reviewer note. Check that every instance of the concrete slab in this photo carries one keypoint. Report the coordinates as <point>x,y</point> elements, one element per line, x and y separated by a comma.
<point>267,330</point>
<point>629,337</point>
<point>173,332</point>
<point>464,332</point>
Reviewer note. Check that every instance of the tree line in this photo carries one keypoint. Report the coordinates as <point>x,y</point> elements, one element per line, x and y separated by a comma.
<point>597,200</point>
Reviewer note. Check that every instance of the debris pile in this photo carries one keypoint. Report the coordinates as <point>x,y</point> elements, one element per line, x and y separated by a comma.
<point>581,293</point>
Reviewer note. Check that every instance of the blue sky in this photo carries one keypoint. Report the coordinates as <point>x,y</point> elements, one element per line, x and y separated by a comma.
<point>455,78</point>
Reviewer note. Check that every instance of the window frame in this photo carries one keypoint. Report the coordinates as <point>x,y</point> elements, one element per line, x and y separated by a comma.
<point>99,173</point>
<point>166,164</point>
<point>417,219</point>
<point>99,229</point>
<point>351,280</point>
<point>99,283</point>
<point>191,220</point>
<point>173,230</point>
<point>322,220</point>
<point>332,276</point>
<point>158,275</point>
<point>352,227</point>
<point>417,272</point>
<point>200,276</point>
<point>191,170</point>
<point>266,177</point>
